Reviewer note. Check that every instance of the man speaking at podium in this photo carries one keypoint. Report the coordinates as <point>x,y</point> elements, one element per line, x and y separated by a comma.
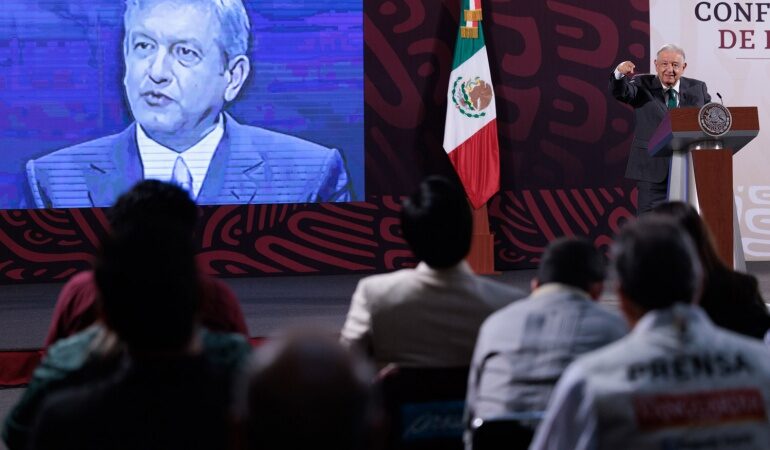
<point>652,96</point>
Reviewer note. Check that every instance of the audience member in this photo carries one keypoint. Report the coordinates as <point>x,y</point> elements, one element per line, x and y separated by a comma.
<point>731,299</point>
<point>523,349</point>
<point>165,394</point>
<point>677,380</point>
<point>305,391</point>
<point>97,351</point>
<point>430,315</point>
<point>76,307</point>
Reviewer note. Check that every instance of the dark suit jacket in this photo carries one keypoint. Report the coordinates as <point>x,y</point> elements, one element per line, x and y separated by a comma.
<point>168,404</point>
<point>250,165</point>
<point>645,94</point>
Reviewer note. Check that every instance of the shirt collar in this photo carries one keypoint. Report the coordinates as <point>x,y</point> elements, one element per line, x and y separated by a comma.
<point>158,160</point>
<point>461,267</point>
<point>553,288</point>
<point>674,87</point>
<point>679,314</point>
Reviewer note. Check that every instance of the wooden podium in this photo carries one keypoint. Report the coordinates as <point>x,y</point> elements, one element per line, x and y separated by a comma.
<point>701,171</point>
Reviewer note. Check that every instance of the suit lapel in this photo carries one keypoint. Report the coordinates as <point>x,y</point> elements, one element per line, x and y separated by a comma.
<point>656,88</point>
<point>107,181</point>
<point>230,179</point>
<point>685,98</point>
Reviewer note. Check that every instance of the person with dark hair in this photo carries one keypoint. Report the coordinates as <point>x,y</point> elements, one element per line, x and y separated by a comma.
<point>96,351</point>
<point>165,394</point>
<point>523,349</point>
<point>730,298</point>
<point>148,201</point>
<point>427,316</point>
<point>676,380</point>
<point>305,391</point>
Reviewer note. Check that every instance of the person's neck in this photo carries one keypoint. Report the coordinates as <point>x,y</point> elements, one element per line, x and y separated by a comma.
<point>181,141</point>
<point>666,86</point>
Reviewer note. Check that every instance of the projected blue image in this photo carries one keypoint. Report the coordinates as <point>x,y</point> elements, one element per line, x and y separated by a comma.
<point>260,102</point>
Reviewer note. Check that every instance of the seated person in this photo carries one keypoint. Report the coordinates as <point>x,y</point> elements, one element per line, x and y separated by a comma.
<point>76,309</point>
<point>676,380</point>
<point>430,315</point>
<point>165,393</point>
<point>730,298</point>
<point>523,349</point>
<point>97,351</point>
<point>305,391</point>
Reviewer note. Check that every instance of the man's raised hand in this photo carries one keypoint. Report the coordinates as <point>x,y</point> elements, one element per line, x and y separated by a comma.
<point>626,68</point>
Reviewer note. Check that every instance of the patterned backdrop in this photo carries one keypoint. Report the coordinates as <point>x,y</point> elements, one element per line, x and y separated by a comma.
<point>563,149</point>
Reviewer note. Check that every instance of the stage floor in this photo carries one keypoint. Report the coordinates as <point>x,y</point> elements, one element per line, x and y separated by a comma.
<point>269,304</point>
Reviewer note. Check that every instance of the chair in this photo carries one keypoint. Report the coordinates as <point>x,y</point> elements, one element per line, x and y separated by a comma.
<point>425,406</point>
<point>510,432</point>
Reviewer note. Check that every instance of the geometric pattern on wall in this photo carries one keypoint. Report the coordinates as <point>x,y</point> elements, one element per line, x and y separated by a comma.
<point>259,240</point>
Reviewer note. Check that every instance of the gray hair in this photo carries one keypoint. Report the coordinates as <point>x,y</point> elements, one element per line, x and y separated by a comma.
<point>671,48</point>
<point>233,20</point>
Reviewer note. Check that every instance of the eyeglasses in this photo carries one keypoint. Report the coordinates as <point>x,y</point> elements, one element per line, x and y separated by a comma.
<point>666,65</point>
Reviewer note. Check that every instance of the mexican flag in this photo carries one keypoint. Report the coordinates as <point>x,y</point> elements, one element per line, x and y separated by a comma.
<point>470,132</point>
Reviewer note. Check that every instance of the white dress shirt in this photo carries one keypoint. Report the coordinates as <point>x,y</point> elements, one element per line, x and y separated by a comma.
<point>423,317</point>
<point>666,92</point>
<point>675,382</point>
<point>522,349</point>
<point>158,160</point>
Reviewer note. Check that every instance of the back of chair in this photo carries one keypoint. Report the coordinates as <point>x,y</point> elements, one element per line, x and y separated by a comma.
<point>425,407</point>
<point>502,433</point>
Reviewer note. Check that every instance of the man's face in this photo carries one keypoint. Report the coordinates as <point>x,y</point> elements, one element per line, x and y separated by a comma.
<point>670,66</point>
<point>175,78</point>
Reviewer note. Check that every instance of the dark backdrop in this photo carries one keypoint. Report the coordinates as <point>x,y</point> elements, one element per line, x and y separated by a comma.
<point>563,143</point>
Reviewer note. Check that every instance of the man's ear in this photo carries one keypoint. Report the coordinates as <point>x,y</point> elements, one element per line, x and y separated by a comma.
<point>629,309</point>
<point>534,284</point>
<point>595,290</point>
<point>237,70</point>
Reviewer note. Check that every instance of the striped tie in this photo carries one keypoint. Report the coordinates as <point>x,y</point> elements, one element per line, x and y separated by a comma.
<point>181,175</point>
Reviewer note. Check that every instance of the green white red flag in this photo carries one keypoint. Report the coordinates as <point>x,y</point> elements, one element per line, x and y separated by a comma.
<point>470,131</point>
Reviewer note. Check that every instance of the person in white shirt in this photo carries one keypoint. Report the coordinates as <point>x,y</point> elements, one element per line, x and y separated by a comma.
<point>676,381</point>
<point>427,316</point>
<point>522,349</point>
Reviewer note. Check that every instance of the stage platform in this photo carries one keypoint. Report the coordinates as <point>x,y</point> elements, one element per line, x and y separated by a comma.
<point>269,304</point>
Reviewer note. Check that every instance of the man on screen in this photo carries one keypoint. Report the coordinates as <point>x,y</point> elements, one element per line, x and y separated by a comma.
<point>651,96</point>
<point>185,60</point>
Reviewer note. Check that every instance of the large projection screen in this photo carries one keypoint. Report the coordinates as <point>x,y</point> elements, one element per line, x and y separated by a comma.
<point>71,96</point>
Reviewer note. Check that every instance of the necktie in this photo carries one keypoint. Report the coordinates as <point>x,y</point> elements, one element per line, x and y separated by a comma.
<point>181,175</point>
<point>671,98</point>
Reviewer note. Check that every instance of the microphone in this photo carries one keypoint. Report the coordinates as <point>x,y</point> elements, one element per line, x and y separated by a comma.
<point>720,98</point>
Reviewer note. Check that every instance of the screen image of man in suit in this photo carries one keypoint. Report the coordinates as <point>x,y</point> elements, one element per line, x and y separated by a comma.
<point>651,96</point>
<point>185,61</point>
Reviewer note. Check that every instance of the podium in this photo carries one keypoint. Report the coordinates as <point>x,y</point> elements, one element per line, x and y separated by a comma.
<point>701,171</point>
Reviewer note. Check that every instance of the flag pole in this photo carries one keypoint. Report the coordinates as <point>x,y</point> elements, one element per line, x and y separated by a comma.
<point>481,257</point>
<point>470,130</point>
